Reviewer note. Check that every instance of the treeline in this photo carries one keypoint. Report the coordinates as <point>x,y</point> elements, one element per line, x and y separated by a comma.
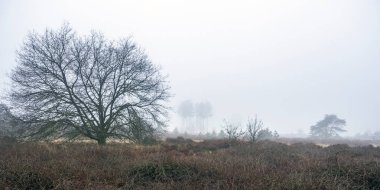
<point>253,130</point>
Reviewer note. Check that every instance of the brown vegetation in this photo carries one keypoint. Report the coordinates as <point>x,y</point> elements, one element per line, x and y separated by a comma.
<point>182,164</point>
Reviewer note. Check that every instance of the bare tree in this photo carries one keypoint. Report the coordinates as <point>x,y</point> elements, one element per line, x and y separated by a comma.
<point>254,127</point>
<point>233,131</point>
<point>70,86</point>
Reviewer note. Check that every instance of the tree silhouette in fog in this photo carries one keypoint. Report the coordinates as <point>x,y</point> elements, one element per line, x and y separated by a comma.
<point>194,115</point>
<point>203,111</point>
<point>70,86</point>
<point>186,112</point>
<point>330,126</point>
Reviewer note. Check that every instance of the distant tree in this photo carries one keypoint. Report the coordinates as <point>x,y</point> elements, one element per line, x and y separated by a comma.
<point>197,114</point>
<point>208,135</point>
<point>330,126</point>
<point>232,131</point>
<point>256,131</point>
<point>203,111</point>
<point>275,134</point>
<point>200,135</point>
<point>70,86</point>
<point>186,112</point>
<point>213,134</point>
<point>222,134</point>
<point>254,127</point>
<point>267,134</point>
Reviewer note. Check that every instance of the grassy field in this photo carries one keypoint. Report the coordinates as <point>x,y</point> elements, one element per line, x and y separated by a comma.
<point>182,164</point>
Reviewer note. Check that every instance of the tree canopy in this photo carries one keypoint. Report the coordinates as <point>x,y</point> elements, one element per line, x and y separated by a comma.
<point>71,86</point>
<point>330,126</point>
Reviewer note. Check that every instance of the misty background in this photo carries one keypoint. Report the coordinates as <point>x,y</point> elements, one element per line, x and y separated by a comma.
<point>289,62</point>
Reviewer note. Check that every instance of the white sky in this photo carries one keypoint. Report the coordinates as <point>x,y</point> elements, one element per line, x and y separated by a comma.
<point>289,61</point>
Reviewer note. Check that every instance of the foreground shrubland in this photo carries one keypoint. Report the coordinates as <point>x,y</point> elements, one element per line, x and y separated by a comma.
<point>183,164</point>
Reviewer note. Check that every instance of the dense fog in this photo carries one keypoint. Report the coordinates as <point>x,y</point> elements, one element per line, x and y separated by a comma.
<point>288,62</point>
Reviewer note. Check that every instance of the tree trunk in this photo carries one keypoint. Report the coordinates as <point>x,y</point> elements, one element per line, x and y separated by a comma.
<point>102,140</point>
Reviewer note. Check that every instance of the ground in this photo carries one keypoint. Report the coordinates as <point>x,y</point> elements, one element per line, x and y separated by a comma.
<point>183,164</point>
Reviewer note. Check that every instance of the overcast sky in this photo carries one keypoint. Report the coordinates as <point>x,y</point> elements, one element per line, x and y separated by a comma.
<point>289,61</point>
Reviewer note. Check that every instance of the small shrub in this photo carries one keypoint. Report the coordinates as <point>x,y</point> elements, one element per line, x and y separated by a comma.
<point>211,145</point>
<point>162,172</point>
<point>28,180</point>
<point>149,141</point>
<point>169,171</point>
<point>178,140</point>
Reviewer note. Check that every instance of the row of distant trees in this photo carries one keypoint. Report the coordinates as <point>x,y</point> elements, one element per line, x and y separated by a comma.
<point>329,127</point>
<point>195,115</point>
<point>254,131</point>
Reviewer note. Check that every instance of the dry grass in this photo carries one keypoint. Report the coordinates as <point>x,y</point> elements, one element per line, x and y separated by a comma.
<point>188,165</point>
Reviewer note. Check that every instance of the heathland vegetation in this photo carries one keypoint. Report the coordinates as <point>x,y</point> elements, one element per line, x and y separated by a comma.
<point>180,163</point>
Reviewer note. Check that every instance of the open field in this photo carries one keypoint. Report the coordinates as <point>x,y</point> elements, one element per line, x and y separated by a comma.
<point>182,164</point>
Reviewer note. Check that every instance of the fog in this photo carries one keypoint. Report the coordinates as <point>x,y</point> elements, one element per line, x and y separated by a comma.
<point>289,62</point>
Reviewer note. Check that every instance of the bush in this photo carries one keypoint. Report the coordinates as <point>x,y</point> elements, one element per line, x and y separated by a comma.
<point>149,141</point>
<point>178,140</point>
<point>27,180</point>
<point>169,171</point>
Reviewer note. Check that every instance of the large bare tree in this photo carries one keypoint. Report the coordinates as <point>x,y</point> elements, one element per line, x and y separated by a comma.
<point>70,86</point>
